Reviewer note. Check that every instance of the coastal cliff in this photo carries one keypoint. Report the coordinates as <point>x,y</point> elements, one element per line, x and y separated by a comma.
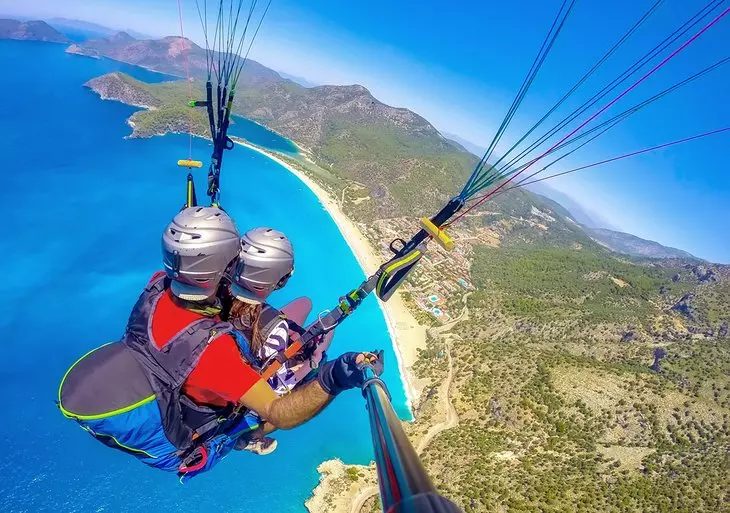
<point>340,485</point>
<point>116,86</point>
<point>164,105</point>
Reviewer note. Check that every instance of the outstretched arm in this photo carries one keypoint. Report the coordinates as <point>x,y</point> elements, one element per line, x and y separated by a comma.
<point>303,403</point>
<point>290,410</point>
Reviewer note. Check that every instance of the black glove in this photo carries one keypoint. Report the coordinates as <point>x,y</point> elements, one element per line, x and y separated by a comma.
<point>348,371</point>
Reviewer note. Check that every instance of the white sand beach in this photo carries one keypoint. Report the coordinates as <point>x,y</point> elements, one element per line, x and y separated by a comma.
<point>405,331</point>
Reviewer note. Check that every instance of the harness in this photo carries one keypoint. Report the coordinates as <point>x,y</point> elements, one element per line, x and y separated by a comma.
<point>128,394</point>
<point>187,425</point>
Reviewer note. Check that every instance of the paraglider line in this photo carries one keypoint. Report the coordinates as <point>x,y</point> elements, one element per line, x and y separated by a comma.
<point>679,32</point>
<point>620,157</point>
<point>610,123</point>
<point>601,111</point>
<point>526,83</point>
<point>583,79</point>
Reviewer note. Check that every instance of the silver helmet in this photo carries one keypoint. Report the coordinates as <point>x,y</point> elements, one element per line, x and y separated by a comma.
<point>265,263</point>
<point>197,247</point>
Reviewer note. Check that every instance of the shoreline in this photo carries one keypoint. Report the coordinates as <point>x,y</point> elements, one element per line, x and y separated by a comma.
<point>405,332</point>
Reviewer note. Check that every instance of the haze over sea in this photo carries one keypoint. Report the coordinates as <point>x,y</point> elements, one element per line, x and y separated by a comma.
<point>84,209</point>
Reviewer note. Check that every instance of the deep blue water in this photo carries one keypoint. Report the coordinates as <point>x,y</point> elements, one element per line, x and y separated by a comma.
<point>83,210</point>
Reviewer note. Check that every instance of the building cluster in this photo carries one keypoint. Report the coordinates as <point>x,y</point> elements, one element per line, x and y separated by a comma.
<point>441,278</point>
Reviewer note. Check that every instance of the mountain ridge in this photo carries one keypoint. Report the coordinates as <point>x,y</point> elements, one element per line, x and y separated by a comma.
<point>469,146</point>
<point>633,245</point>
<point>297,79</point>
<point>173,55</point>
<point>34,30</point>
<point>89,28</point>
<point>345,128</point>
<point>80,25</point>
<point>581,214</point>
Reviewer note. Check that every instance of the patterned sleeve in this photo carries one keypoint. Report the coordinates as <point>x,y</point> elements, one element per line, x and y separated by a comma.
<point>278,339</point>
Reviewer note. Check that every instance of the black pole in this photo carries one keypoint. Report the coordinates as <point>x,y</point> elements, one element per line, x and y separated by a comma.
<point>191,198</point>
<point>404,484</point>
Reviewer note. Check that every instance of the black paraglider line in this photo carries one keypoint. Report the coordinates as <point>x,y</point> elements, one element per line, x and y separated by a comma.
<point>245,57</point>
<point>612,122</point>
<point>525,181</point>
<point>481,199</point>
<point>223,60</point>
<point>203,16</point>
<point>547,44</point>
<point>507,169</point>
<point>621,117</point>
<point>584,78</point>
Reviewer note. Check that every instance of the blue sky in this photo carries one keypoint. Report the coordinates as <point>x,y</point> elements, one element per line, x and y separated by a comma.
<point>460,63</point>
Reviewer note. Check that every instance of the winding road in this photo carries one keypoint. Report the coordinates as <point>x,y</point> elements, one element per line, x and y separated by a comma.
<point>361,497</point>
<point>452,419</point>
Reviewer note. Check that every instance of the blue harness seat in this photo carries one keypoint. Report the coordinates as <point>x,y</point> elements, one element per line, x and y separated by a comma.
<point>128,395</point>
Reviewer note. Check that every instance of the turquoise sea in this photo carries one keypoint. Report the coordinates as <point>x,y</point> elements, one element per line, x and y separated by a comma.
<point>83,210</point>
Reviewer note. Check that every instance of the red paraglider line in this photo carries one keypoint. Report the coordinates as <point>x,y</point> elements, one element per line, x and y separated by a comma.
<point>691,40</point>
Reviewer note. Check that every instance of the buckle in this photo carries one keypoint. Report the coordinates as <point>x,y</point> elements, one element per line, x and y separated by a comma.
<point>194,461</point>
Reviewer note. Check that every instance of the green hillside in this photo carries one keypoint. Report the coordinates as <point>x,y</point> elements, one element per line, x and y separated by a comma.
<point>561,407</point>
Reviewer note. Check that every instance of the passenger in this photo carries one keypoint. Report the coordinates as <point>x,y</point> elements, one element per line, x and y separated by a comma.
<point>265,264</point>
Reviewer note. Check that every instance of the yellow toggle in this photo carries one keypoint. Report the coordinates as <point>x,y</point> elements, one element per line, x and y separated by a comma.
<point>438,235</point>
<point>189,163</point>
